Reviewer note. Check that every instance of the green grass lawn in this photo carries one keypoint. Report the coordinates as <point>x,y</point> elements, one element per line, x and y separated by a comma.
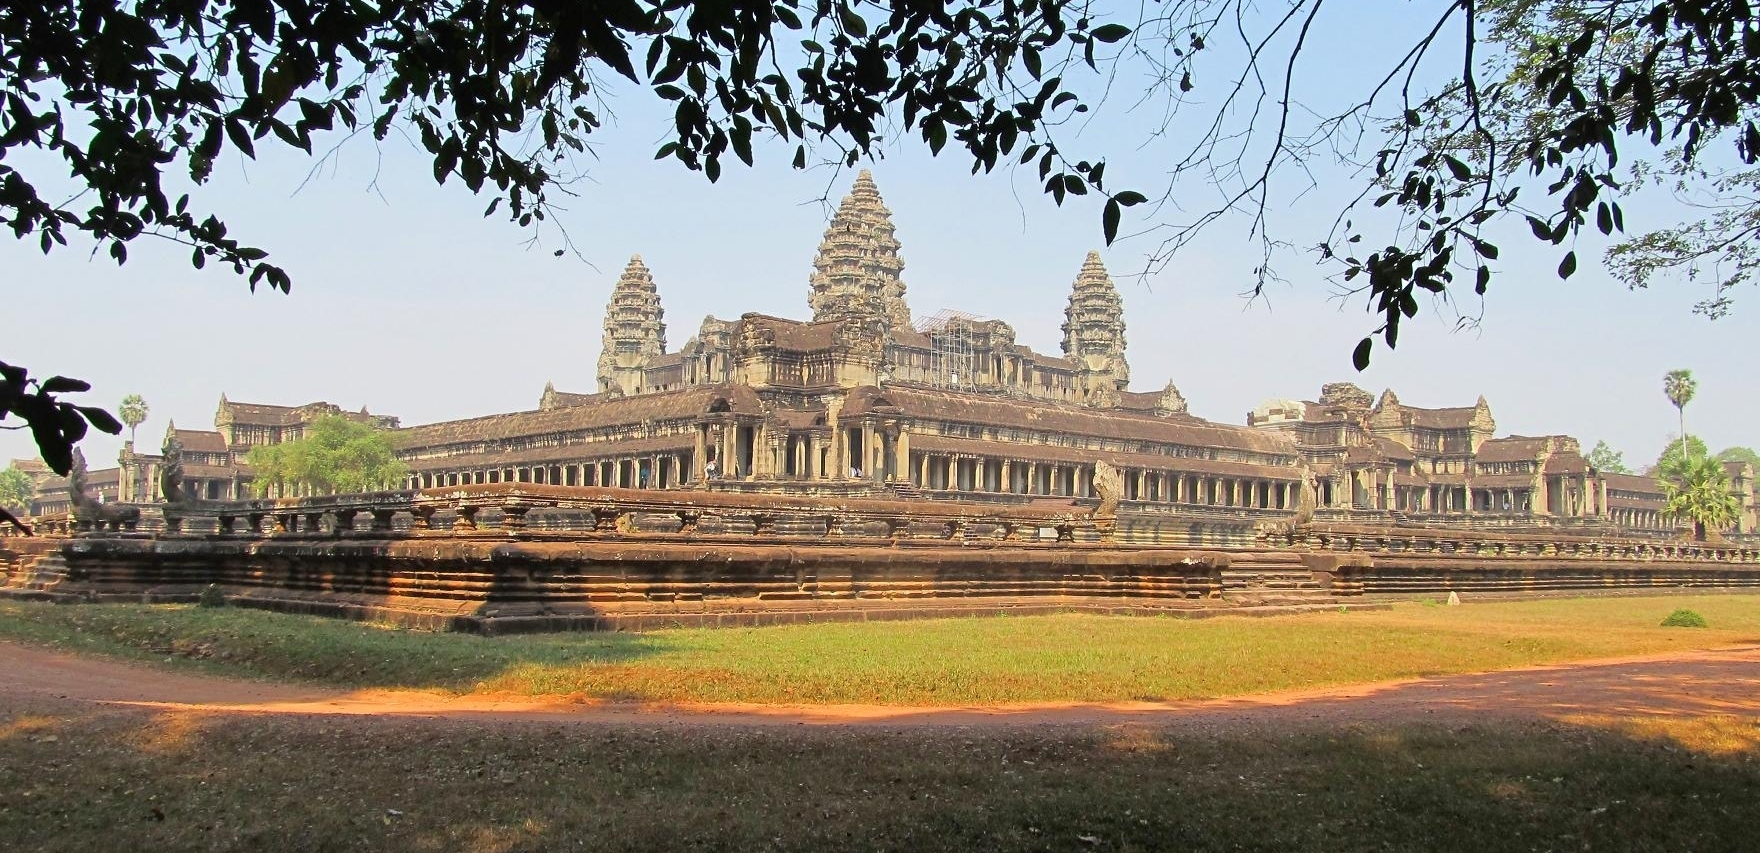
<point>929,662</point>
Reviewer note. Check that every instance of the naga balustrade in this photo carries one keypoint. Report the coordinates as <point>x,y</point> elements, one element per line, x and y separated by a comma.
<point>1493,543</point>
<point>507,509</point>
<point>1366,559</point>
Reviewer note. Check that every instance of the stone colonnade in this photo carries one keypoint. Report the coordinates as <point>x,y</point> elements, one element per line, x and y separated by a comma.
<point>1639,519</point>
<point>955,472</point>
<point>1564,495</point>
<point>649,471</point>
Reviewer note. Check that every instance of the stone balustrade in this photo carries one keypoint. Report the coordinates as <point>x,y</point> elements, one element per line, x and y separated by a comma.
<point>1553,545</point>
<point>510,509</point>
<point>523,556</point>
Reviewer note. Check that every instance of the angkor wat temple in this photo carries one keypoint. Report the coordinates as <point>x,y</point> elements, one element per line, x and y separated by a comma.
<point>860,400</point>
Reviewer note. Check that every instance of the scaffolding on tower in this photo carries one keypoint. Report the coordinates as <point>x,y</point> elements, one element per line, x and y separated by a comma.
<point>951,360</point>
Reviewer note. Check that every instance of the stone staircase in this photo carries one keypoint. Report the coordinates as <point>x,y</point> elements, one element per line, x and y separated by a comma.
<point>1271,578</point>
<point>32,575</point>
<point>905,490</point>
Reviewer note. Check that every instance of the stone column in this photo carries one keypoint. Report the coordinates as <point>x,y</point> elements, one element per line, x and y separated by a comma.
<point>699,450</point>
<point>1007,469</point>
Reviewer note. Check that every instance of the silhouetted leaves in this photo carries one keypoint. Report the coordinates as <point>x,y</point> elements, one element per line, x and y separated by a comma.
<point>55,425</point>
<point>498,95</point>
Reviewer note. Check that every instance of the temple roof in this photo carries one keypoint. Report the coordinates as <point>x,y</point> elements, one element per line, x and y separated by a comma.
<point>200,440</point>
<point>1450,418</point>
<point>261,413</point>
<point>554,399</point>
<point>1081,420</point>
<point>1514,448</point>
<point>1633,483</point>
<point>1083,456</point>
<point>794,335</point>
<point>265,414</point>
<point>664,405</point>
<point>557,453</point>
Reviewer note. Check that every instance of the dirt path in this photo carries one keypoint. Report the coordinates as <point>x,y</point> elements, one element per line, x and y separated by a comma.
<point>1724,681</point>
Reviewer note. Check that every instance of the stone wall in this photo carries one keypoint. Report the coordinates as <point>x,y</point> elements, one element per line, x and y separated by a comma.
<point>518,557</point>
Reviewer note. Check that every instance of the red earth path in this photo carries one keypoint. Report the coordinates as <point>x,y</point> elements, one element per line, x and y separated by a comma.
<point>1699,683</point>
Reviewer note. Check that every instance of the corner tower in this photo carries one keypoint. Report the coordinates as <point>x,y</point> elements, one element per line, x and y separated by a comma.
<point>856,274</point>
<point>1093,333</point>
<point>635,330</point>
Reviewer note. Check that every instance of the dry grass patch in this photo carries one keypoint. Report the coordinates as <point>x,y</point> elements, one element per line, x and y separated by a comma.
<point>1071,658</point>
<point>87,780</point>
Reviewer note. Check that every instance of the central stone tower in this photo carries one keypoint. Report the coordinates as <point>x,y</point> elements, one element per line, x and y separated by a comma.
<point>1093,334</point>
<point>635,330</point>
<point>856,274</point>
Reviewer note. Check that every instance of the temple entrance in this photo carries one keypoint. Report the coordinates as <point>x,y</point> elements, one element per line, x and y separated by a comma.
<point>856,453</point>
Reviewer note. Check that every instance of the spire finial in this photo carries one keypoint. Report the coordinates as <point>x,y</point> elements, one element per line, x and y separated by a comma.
<point>856,273</point>
<point>1093,328</point>
<point>635,327</point>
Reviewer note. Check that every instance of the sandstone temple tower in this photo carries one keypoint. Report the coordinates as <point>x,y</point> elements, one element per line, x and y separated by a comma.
<point>856,274</point>
<point>635,331</point>
<point>1093,333</point>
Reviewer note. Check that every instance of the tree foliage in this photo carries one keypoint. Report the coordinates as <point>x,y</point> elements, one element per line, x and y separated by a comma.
<point>1605,459</point>
<point>128,99</point>
<point>134,413</point>
<point>1555,101</point>
<point>336,455</point>
<point>1740,454</point>
<point>1699,493</point>
<point>16,489</point>
<point>1669,463</point>
<point>1679,386</point>
<point>55,424</point>
<point>499,94</point>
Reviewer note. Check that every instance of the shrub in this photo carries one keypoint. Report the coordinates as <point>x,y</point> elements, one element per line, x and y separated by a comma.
<point>1684,618</point>
<point>212,597</point>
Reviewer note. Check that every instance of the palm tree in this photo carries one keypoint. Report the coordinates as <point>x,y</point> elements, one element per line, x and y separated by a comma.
<point>1702,496</point>
<point>1679,386</point>
<point>134,413</point>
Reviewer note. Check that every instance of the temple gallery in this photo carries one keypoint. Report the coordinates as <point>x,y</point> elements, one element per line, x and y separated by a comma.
<point>865,399</point>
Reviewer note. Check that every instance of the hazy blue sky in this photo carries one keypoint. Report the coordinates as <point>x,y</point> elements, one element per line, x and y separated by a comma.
<point>407,301</point>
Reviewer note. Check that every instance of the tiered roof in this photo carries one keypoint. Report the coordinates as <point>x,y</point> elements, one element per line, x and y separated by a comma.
<point>1093,326</point>
<point>635,324</point>
<point>857,271</point>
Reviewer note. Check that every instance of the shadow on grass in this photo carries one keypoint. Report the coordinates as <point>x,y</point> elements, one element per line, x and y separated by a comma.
<point>312,649</point>
<point>274,783</point>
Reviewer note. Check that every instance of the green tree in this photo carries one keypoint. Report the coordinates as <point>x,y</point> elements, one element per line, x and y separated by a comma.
<point>1679,386</point>
<point>1607,460</point>
<point>336,455</point>
<point>1700,494</point>
<point>1671,461</point>
<point>1740,454</point>
<point>134,413</point>
<point>16,490</point>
